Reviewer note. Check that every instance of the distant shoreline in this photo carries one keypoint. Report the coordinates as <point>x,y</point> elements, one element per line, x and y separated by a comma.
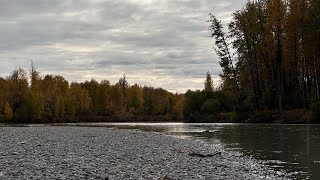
<point>295,116</point>
<point>262,117</point>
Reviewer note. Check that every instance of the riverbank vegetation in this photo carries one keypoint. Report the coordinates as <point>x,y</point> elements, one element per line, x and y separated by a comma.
<point>269,55</point>
<point>51,99</point>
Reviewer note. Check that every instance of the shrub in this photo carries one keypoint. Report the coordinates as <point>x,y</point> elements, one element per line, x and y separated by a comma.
<point>211,106</point>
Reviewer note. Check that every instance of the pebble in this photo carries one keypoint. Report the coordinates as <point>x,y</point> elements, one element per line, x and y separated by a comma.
<point>101,153</point>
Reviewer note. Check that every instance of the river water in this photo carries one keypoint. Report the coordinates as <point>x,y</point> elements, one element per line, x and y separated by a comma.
<point>294,149</point>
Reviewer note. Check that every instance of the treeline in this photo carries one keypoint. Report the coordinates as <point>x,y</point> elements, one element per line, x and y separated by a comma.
<point>50,99</point>
<point>269,56</point>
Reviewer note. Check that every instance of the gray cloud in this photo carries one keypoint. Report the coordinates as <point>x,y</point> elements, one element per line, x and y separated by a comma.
<point>159,43</point>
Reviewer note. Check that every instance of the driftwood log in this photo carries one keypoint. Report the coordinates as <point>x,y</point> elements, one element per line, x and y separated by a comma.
<point>204,155</point>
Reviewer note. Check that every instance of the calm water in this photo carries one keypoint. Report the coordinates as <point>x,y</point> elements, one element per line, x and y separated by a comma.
<point>294,149</point>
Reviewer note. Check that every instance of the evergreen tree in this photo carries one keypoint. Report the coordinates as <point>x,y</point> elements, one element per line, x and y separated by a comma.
<point>229,74</point>
<point>208,84</point>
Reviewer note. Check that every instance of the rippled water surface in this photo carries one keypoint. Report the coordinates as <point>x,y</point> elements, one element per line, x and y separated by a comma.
<point>294,149</point>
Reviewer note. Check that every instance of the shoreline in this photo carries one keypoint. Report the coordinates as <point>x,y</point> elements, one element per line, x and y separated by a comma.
<point>295,116</point>
<point>66,152</point>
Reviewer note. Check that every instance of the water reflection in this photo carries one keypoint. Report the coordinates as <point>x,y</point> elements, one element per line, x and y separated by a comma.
<point>293,148</point>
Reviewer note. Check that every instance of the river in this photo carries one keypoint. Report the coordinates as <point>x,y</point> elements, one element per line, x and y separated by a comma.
<point>294,149</point>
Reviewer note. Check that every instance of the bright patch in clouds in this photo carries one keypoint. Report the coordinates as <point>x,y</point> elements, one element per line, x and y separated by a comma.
<point>155,43</point>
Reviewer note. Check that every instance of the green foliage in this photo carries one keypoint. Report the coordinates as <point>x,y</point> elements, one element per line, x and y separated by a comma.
<point>228,100</point>
<point>211,106</point>
<point>220,101</point>
<point>208,85</point>
<point>29,110</point>
<point>193,102</point>
<point>223,50</point>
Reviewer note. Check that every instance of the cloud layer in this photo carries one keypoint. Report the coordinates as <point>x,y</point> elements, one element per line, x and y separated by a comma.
<point>158,43</point>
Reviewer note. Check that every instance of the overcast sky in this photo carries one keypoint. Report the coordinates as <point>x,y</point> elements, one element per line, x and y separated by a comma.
<point>160,43</point>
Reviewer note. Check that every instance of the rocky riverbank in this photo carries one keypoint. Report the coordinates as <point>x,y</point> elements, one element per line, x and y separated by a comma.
<point>47,152</point>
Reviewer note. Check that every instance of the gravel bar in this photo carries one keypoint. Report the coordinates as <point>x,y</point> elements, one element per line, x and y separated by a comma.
<point>103,153</point>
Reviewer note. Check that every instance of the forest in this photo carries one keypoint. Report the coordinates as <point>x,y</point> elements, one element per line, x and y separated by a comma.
<point>269,54</point>
<point>33,98</point>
